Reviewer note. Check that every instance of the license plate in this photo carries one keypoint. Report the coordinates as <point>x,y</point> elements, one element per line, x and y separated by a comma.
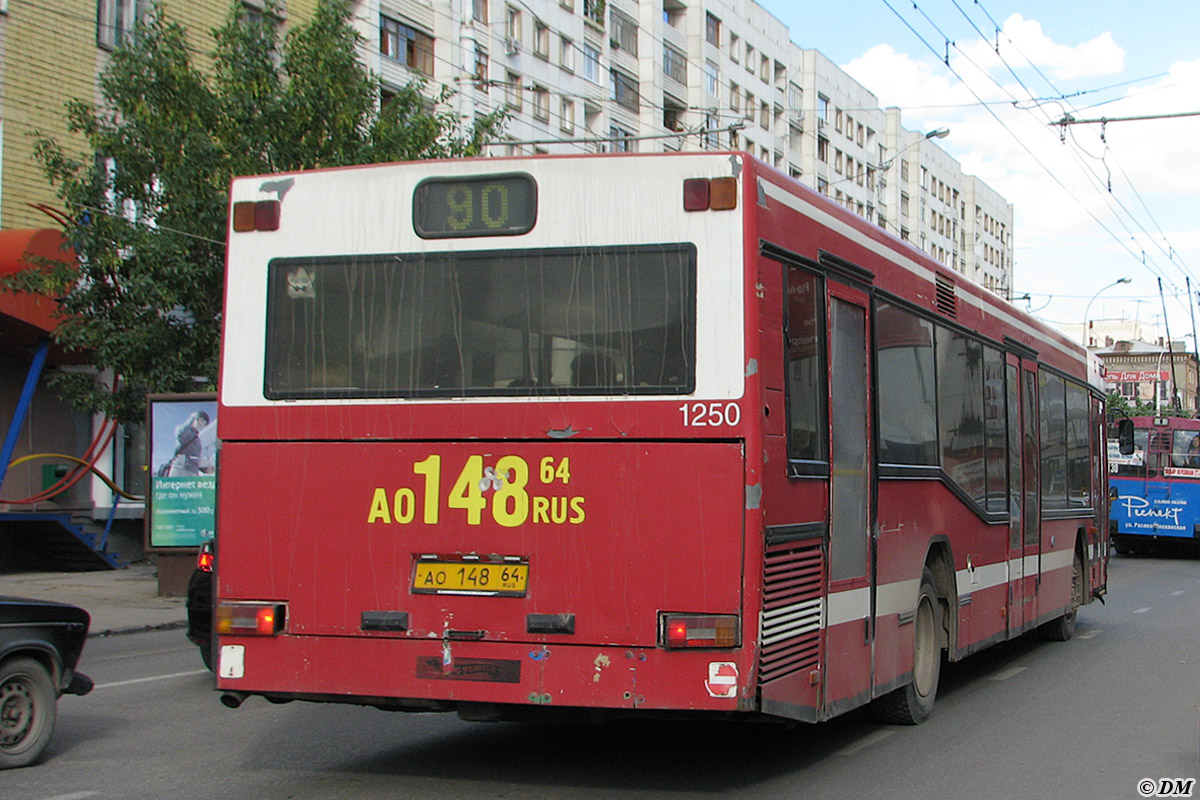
<point>471,577</point>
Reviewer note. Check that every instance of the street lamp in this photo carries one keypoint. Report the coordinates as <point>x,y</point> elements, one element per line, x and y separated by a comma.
<point>1088,310</point>
<point>936,133</point>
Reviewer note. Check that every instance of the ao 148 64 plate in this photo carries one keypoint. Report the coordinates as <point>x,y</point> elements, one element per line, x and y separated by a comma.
<point>470,577</point>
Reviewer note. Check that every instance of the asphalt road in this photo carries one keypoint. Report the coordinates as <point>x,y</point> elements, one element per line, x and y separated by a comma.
<point>1088,718</point>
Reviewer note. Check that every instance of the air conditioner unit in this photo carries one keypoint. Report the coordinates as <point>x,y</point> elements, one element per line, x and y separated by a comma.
<point>820,122</point>
<point>511,46</point>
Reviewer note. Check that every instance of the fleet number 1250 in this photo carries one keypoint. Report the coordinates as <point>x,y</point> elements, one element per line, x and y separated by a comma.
<point>710,415</point>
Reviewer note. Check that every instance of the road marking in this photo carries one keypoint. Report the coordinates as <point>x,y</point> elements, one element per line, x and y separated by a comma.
<point>75,796</point>
<point>152,679</point>
<point>1176,594</point>
<point>1008,673</point>
<point>1088,635</point>
<point>865,742</point>
<point>1142,610</point>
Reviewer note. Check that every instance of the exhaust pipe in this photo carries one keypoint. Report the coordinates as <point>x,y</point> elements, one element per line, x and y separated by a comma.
<point>233,699</point>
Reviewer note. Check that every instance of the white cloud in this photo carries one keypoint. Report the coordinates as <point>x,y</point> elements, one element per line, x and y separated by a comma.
<point>1099,56</point>
<point>1072,235</point>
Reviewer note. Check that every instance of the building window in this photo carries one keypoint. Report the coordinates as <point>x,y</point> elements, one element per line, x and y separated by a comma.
<point>735,97</point>
<point>593,10</point>
<point>837,120</point>
<point>750,105</point>
<point>712,79</point>
<point>566,115</point>
<point>624,89</point>
<point>750,57</point>
<point>481,64</point>
<point>823,149</point>
<point>795,97</point>
<point>673,112</point>
<point>712,133</point>
<point>479,10</point>
<point>674,12</point>
<point>620,140</point>
<point>512,27</point>
<point>624,33</point>
<point>712,30</point>
<point>764,116</point>
<point>541,103</point>
<point>566,54</point>
<point>591,63</point>
<point>541,41</point>
<point>674,64</point>
<point>405,44</point>
<point>735,43</point>
<point>764,70</point>
<point>823,186</point>
<point>115,20</point>
<point>514,92</point>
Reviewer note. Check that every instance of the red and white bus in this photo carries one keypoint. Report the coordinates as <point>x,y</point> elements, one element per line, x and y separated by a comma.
<point>627,435</point>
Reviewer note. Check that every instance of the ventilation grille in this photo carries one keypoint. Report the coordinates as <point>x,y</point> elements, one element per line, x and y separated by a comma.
<point>947,303</point>
<point>792,609</point>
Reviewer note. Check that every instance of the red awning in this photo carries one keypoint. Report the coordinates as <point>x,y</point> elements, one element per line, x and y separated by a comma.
<point>27,318</point>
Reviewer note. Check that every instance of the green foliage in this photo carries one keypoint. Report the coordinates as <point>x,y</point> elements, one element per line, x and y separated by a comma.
<point>149,202</point>
<point>1118,406</point>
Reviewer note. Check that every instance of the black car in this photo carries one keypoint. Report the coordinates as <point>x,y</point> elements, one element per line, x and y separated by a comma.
<point>200,603</point>
<point>40,644</point>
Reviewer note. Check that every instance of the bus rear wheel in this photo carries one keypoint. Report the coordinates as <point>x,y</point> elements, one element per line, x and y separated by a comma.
<point>913,703</point>
<point>1063,628</point>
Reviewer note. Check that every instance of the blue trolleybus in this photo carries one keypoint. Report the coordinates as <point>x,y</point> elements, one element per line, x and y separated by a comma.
<point>1155,489</point>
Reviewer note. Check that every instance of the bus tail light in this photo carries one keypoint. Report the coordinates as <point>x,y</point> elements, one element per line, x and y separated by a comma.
<point>702,194</point>
<point>260,215</point>
<point>695,630</point>
<point>250,619</point>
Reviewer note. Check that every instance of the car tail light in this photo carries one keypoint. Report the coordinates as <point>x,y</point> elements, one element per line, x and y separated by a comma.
<point>204,560</point>
<point>696,630</point>
<point>250,619</point>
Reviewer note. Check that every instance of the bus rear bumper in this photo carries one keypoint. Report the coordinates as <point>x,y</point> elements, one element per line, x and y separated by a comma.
<point>476,678</point>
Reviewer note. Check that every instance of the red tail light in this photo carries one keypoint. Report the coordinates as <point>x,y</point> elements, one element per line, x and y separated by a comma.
<point>695,630</point>
<point>204,561</point>
<point>250,619</point>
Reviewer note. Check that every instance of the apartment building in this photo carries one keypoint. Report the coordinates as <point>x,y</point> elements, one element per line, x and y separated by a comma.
<point>581,76</point>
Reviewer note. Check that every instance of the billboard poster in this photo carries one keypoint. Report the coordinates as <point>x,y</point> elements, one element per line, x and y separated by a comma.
<point>182,497</point>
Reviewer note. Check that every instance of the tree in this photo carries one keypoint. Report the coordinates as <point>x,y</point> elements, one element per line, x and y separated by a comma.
<point>148,204</point>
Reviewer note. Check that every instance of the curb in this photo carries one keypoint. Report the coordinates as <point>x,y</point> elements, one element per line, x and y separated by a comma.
<point>166,626</point>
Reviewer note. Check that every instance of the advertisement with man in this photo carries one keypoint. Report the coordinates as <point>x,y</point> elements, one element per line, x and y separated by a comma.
<point>183,483</point>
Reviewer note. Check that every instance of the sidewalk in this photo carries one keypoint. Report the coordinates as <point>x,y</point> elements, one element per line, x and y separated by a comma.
<point>120,601</point>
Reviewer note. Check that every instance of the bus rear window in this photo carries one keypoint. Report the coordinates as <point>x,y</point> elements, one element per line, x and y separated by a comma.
<point>612,320</point>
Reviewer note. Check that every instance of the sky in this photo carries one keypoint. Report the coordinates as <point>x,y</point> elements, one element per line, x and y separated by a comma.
<point>1093,204</point>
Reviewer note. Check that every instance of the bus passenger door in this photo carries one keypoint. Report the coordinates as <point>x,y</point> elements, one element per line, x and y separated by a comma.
<point>1024,492</point>
<point>850,633</point>
<point>1029,552</point>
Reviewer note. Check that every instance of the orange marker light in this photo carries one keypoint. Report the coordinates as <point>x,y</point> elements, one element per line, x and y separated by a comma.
<point>723,194</point>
